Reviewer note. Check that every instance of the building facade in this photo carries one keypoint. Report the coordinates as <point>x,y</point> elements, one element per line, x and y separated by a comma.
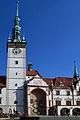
<point>26,91</point>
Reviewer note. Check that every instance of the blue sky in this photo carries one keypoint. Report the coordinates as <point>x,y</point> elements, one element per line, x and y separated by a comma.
<point>52,31</point>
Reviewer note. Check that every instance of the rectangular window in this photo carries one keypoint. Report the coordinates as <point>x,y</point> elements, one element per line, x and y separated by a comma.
<point>68,103</point>
<point>57,92</point>
<point>16,62</point>
<point>78,103</point>
<point>68,92</point>
<point>58,102</point>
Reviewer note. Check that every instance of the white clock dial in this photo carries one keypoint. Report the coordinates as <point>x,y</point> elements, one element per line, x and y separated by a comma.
<point>16,51</point>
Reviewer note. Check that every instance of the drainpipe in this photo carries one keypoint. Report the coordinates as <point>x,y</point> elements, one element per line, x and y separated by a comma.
<point>52,87</point>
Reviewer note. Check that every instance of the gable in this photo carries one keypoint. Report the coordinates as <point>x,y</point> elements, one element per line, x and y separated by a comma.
<point>36,81</point>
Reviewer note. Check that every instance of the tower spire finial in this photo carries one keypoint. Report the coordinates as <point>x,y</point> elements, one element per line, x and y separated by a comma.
<point>76,76</point>
<point>17,8</point>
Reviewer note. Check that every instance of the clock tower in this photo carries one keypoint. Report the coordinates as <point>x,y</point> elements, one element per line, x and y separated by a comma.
<point>16,69</point>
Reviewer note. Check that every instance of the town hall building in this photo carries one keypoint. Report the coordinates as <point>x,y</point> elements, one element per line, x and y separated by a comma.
<point>26,91</point>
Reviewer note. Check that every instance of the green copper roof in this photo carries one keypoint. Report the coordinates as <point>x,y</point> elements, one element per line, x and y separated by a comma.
<point>17,29</point>
<point>75,71</point>
<point>16,32</point>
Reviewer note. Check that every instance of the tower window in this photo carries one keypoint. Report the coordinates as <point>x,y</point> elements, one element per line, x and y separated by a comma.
<point>16,62</point>
<point>15,102</point>
<point>16,73</point>
<point>16,85</point>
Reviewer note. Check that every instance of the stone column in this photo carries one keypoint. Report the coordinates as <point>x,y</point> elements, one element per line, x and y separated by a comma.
<point>71,111</point>
<point>47,104</point>
<point>29,107</point>
<point>58,110</point>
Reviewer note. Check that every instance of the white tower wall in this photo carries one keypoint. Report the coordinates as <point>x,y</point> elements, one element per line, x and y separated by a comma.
<point>16,76</point>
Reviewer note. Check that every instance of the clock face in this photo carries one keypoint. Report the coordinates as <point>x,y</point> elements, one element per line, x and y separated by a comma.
<point>16,51</point>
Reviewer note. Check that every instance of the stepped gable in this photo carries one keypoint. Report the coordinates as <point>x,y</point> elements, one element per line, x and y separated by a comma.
<point>63,82</point>
<point>2,81</point>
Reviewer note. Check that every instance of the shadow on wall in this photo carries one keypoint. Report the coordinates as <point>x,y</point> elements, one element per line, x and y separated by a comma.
<point>52,111</point>
<point>20,99</point>
<point>29,118</point>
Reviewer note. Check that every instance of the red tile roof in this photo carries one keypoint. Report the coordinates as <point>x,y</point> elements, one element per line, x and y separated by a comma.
<point>48,80</point>
<point>66,82</point>
<point>31,73</point>
<point>59,82</point>
<point>2,81</point>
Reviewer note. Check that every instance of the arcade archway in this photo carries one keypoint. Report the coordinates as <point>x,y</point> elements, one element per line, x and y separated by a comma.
<point>64,111</point>
<point>1,110</point>
<point>38,102</point>
<point>76,111</point>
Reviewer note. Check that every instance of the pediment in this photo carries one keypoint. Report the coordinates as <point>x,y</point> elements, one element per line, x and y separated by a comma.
<point>37,81</point>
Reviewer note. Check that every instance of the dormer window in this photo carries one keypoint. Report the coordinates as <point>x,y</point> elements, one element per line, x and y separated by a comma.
<point>61,83</point>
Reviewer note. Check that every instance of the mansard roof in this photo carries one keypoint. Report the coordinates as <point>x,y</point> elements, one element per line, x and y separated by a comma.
<point>63,82</point>
<point>2,81</point>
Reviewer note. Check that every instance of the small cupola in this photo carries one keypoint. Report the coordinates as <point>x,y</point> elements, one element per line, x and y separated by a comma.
<point>30,66</point>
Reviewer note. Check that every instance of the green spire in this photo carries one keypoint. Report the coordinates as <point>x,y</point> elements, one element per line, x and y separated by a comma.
<point>17,28</point>
<point>76,76</point>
